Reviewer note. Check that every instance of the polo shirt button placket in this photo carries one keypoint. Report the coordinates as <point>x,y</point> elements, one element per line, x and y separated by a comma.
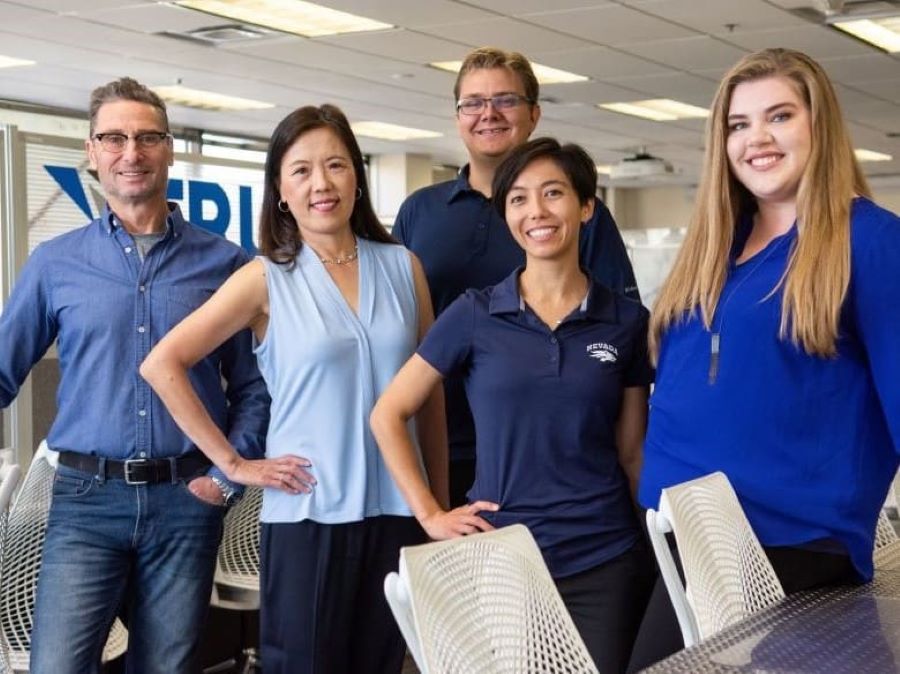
<point>554,352</point>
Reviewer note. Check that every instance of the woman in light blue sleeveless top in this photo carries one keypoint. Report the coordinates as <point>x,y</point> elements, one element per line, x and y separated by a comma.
<point>336,307</point>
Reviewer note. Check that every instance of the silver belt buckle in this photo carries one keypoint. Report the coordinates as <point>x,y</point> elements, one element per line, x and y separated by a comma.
<point>129,465</point>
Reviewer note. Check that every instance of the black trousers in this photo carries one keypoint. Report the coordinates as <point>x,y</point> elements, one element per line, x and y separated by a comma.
<point>606,604</point>
<point>797,569</point>
<point>322,601</point>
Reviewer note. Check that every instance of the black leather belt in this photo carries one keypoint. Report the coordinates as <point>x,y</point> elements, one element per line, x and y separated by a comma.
<point>139,471</point>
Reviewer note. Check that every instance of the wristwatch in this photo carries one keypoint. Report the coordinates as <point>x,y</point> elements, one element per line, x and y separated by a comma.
<point>229,493</point>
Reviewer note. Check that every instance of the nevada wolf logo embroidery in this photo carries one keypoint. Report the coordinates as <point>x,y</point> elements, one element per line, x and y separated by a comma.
<point>605,353</point>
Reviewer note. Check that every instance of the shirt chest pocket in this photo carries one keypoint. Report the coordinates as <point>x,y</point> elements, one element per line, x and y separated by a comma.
<point>181,301</point>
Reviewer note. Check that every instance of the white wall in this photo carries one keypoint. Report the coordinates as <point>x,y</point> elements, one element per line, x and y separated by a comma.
<point>649,207</point>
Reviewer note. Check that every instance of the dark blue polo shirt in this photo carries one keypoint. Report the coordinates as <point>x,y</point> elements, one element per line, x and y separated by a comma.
<point>545,405</point>
<point>464,243</point>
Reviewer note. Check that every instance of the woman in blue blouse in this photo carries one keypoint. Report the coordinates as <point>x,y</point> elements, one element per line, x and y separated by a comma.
<point>776,333</point>
<point>556,373</point>
<point>336,307</point>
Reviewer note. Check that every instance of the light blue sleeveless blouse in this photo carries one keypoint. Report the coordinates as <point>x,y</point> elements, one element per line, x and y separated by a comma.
<point>325,368</point>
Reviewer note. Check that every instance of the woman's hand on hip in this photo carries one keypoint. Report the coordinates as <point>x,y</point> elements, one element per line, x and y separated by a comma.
<point>459,521</point>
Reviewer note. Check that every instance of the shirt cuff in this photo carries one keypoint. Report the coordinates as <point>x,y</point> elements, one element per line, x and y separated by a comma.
<point>215,472</point>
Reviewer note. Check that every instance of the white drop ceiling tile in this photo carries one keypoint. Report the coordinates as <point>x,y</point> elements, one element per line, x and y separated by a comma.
<point>610,25</point>
<point>715,17</point>
<point>29,48</point>
<point>403,45</point>
<point>67,30</point>
<point>600,63</point>
<point>873,139</point>
<point>683,87</point>
<point>314,54</point>
<point>590,93</point>
<point>817,41</point>
<point>876,115</point>
<point>888,89</point>
<point>413,13</point>
<point>17,85</point>
<point>152,18</point>
<point>505,33</point>
<point>12,15</point>
<point>792,4</point>
<point>690,53</point>
<point>524,7</point>
<point>78,6</point>
<point>854,69</point>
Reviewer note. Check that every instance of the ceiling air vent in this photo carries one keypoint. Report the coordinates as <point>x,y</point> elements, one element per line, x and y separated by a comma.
<point>222,34</point>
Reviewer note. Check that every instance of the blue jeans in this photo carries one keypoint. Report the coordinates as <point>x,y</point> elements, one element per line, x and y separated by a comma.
<point>150,548</point>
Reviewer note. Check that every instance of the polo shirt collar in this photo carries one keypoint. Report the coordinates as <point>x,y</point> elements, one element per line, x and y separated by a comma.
<point>599,304</point>
<point>461,185</point>
<point>174,221</point>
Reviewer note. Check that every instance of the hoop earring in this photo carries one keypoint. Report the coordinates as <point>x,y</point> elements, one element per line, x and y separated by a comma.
<point>358,193</point>
<point>283,206</point>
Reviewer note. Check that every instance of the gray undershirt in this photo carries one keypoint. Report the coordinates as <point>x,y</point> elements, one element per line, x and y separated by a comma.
<point>145,242</point>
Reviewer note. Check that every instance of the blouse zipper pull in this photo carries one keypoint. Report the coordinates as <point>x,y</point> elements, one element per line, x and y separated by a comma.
<point>713,357</point>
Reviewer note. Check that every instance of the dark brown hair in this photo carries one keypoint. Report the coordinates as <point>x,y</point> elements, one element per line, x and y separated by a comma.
<point>279,235</point>
<point>126,89</point>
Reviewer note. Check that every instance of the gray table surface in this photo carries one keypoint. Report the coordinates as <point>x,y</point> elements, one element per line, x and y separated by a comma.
<point>845,629</point>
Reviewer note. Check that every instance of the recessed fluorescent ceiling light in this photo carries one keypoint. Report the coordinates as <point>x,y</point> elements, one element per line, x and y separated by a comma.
<point>10,62</point>
<point>604,169</point>
<point>883,33</point>
<point>288,16</point>
<point>387,131</point>
<point>177,94</point>
<point>871,155</point>
<point>544,74</point>
<point>657,109</point>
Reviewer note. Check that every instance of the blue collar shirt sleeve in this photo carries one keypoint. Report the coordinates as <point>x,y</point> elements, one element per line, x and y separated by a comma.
<point>107,308</point>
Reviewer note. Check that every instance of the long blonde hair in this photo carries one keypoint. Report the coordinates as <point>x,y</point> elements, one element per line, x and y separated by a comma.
<point>818,271</point>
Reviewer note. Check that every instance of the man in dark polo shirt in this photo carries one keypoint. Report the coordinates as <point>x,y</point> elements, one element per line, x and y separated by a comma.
<point>137,510</point>
<point>462,241</point>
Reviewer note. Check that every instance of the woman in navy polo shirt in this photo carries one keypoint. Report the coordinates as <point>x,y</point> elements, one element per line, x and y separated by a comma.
<point>556,373</point>
<point>777,333</point>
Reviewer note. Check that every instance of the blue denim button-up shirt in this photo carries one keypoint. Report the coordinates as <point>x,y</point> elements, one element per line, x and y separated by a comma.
<point>89,290</point>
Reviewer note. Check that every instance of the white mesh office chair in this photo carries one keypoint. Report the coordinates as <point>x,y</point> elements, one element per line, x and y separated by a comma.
<point>483,604</point>
<point>886,553</point>
<point>9,479</point>
<point>727,574</point>
<point>236,583</point>
<point>21,563</point>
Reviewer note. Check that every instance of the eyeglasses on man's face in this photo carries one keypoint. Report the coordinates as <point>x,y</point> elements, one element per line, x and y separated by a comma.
<point>116,142</point>
<point>477,104</point>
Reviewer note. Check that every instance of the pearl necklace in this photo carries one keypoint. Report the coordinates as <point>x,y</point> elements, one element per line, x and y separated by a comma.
<point>345,259</point>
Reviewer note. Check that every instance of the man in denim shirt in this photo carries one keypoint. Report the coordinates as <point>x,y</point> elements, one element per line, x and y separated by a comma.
<point>137,511</point>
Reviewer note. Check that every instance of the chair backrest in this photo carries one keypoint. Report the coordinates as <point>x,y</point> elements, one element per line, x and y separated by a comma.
<point>885,534</point>
<point>21,562</point>
<point>9,479</point>
<point>237,563</point>
<point>657,528</point>
<point>21,559</point>
<point>727,574</point>
<point>396,592</point>
<point>886,551</point>
<point>486,603</point>
<point>10,473</point>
